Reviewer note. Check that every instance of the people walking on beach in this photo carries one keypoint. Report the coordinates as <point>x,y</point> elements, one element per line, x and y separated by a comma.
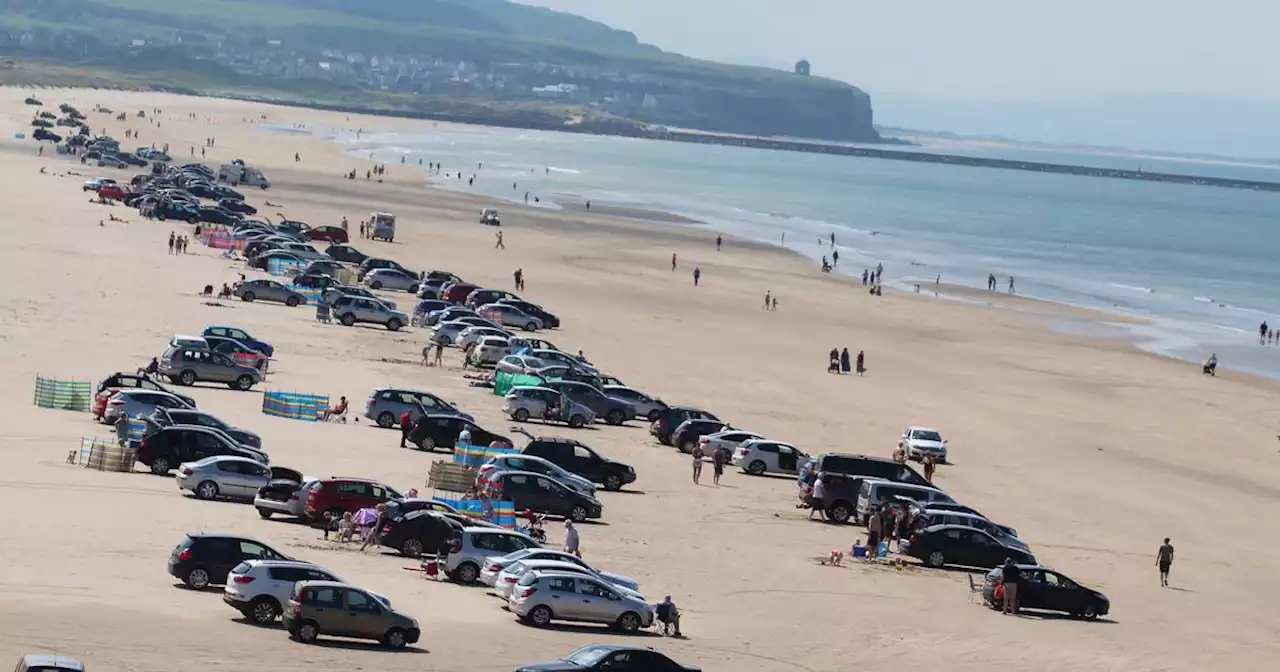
<point>719,241</point>
<point>768,296</point>
<point>697,275</point>
<point>879,273</point>
<point>1164,560</point>
<point>929,466</point>
<point>172,238</point>
<point>1262,332</point>
<point>844,360</point>
<point>499,245</point>
<point>833,361</point>
<point>571,542</point>
<point>673,261</point>
<point>1011,285</point>
<point>816,497</point>
<point>518,276</point>
<point>991,282</point>
<point>835,257</point>
<point>718,458</point>
<point>859,364</point>
<point>865,273</point>
<point>697,462</point>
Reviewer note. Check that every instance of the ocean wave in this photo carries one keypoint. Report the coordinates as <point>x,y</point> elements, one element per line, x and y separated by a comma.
<point>1134,288</point>
<point>566,171</point>
<point>1205,299</point>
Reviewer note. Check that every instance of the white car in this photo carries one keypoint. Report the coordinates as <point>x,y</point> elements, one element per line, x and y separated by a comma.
<point>921,441</point>
<point>259,589</point>
<point>494,564</point>
<point>474,334</point>
<point>490,350</point>
<point>728,439</point>
<point>223,476</point>
<point>510,575</point>
<point>448,332</point>
<point>762,456</point>
<point>474,544</point>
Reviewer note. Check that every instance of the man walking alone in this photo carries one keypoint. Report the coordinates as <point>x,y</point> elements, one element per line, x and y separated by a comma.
<point>1164,560</point>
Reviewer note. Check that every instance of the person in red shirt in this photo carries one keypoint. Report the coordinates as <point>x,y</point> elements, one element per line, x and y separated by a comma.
<point>406,426</point>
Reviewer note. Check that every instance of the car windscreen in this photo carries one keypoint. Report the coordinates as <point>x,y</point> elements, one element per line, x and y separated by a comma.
<point>927,436</point>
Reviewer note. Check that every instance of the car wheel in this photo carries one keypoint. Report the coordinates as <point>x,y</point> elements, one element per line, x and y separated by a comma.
<point>839,513</point>
<point>531,327</point>
<point>413,289</point>
<point>756,468</point>
<point>687,447</point>
<point>292,302</point>
<point>244,383</point>
<point>375,285</point>
<point>265,513</point>
<point>263,611</point>
<point>613,482</point>
<point>936,559</point>
<point>1090,612</point>
<point>248,297</point>
<point>393,324</point>
<point>578,514</point>
<point>615,417</point>
<point>187,377</point>
<point>207,490</point>
<point>654,415</point>
<point>427,444</point>
<point>629,622</point>
<point>308,632</point>
<point>386,420</point>
<point>467,573</point>
<point>197,579</point>
<point>160,466</point>
<point>577,422</point>
<point>540,616</point>
<point>160,216</point>
<point>521,415</point>
<point>396,638</point>
<point>347,320</point>
<point>412,548</point>
<point>445,340</point>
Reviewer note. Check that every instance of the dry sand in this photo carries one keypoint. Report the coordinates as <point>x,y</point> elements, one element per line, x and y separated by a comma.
<point>1092,450</point>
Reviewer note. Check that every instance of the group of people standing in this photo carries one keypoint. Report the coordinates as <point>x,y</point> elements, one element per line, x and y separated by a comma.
<point>719,458</point>
<point>838,362</point>
<point>177,244</point>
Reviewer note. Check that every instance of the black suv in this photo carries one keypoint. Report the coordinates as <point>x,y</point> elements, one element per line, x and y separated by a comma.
<point>417,532</point>
<point>373,264</point>
<point>866,465</point>
<point>170,446</point>
<point>549,320</point>
<point>202,560</point>
<point>1043,588</point>
<point>540,494</point>
<point>840,495</point>
<point>612,410</point>
<point>666,424</point>
<point>686,436</point>
<point>430,431</point>
<point>346,253</point>
<point>577,458</point>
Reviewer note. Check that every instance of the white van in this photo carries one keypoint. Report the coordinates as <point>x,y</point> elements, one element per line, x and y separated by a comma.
<point>240,174</point>
<point>384,226</point>
<point>874,493</point>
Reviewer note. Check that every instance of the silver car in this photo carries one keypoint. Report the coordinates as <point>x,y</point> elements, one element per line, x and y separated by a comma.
<point>510,576</point>
<point>392,278</point>
<point>269,290</point>
<point>350,310</point>
<point>188,366</point>
<point>136,402</point>
<point>510,316</point>
<point>332,294</point>
<point>525,403</point>
<point>520,364</point>
<point>543,596</point>
<point>474,334</point>
<point>387,404</point>
<point>645,405</point>
<point>537,465</point>
<point>284,495</point>
<point>494,564</point>
<point>446,333</point>
<point>223,476</point>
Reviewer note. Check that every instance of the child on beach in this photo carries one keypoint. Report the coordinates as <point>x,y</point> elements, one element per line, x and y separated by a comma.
<point>346,528</point>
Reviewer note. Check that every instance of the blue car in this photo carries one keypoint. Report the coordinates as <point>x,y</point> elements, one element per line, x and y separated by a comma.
<point>242,336</point>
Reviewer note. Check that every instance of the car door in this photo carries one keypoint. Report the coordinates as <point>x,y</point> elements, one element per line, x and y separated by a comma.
<point>598,603</point>
<point>1031,589</point>
<point>224,554</point>
<point>517,489</point>
<point>552,496</point>
<point>985,551</point>
<point>201,444</point>
<point>327,605</point>
<point>1060,594</point>
<point>786,458</point>
<point>563,597</point>
<point>364,615</point>
<point>586,463</point>
<point>232,478</point>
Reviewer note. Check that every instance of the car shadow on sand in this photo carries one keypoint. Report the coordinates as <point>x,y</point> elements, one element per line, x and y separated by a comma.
<point>1058,616</point>
<point>597,630</point>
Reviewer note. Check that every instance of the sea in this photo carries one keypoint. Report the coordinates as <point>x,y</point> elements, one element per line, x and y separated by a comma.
<point>1199,265</point>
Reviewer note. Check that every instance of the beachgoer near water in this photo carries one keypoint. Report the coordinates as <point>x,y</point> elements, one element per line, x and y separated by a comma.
<point>697,275</point>
<point>835,257</point>
<point>697,462</point>
<point>499,245</point>
<point>1011,285</point>
<point>673,261</point>
<point>1262,332</point>
<point>767,296</point>
<point>991,282</point>
<point>1211,365</point>
<point>865,273</point>
<point>1164,560</point>
<point>719,241</point>
<point>775,304</point>
<point>844,360</point>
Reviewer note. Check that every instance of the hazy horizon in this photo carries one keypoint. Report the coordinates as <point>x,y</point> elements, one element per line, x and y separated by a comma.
<point>996,67</point>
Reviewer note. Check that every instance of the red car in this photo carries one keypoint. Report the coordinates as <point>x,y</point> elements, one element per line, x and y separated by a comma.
<point>345,495</point>
<point>332,234</point>
<point>112,192</point>
<point>458,292</point>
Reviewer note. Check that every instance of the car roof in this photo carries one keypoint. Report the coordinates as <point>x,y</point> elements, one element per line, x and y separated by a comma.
<point>328,584</point>
<point>561,573</point>
<point>223,535</point>
<point>130,391</point>
<point>922,429</point>
<point>943,528</point>
<point>51,660</point>
<point>283,563</point>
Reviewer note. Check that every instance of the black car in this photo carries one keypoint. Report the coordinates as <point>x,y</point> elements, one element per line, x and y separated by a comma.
<point>202,560</point>
<point>666,424</point>
<point>867,465</point>
<point>170,446</point>
<point>840,495</point>
<point>167,209</point>
<point>942,545</point>
<point>549,321</point>
<point>578,458</point>
<point>131,159</point>
<point>201,190</point>
<point>540,494</point>
<point>236,205</point>
<point>417,532</point>
<point>372,264</point>
<point>166,417</point>
<point>129,380</point>
<point>430,431</point>
<point>42,134</point>
<point>611,658</point>
<point>346,253</point>
<point>686,436</point>
<point>263,261</point>
<point>315,281</point>
<point>217,215</point>
<point>1043,588</point>
<point>610,409</point>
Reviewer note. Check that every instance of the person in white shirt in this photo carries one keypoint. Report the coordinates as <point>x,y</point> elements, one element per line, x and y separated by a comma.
<point>571,539</point>
<point>464,437</point>
<point>816,499</point>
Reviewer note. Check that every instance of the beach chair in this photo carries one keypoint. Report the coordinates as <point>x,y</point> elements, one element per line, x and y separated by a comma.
<point>975,589</point>
<point>322,312</point>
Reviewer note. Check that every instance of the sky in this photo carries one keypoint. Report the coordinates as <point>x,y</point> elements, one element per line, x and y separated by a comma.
<point>923,55</point>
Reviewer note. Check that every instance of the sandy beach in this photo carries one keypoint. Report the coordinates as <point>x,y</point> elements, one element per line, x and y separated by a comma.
<point>1093,450</point>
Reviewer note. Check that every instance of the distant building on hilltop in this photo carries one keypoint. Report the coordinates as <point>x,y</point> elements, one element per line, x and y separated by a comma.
<point>802,67</point>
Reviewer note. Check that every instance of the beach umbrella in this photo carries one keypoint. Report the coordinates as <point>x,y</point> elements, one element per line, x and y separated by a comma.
<point>365,517</point>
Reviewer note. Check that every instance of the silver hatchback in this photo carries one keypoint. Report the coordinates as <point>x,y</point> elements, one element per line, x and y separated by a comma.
<point>525,403</point>
<point>351,310</point>
<point>223,476</point>
<point>509,316</point>
<point>269,290</point>
<point>392,278</point>
<point>541,597</point>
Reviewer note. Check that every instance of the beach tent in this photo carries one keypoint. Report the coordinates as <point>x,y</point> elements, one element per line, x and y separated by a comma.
<point>504,381</point>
